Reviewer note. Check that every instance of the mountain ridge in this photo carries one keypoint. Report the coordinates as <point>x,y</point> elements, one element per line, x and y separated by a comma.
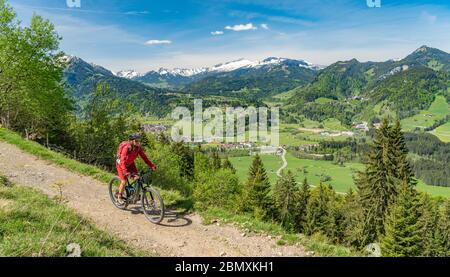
<point>221,67</point>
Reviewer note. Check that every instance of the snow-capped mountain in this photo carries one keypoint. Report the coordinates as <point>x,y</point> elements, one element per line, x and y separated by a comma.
<point>219,68</point>
<point>182,71</point>
<point>179,78</point>
<point>74,60</point>
<point>129,74</point>
<point>230,66</point>
<point>271,61</point>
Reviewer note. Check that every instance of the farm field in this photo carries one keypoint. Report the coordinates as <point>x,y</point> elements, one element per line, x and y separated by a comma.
<point>308,132</point>
<point>439,109</point>
<point>442,132</point>
<point>341,177</point>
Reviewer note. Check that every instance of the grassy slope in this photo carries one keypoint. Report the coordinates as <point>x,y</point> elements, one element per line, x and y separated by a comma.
<point>170,197</point>
<point>318,245</point>
<point>439,109</point>
<point>56,158</point>
<point>291,135</point>
<point>341,177</point>
<point>31,224</point>
<point>443,132</point>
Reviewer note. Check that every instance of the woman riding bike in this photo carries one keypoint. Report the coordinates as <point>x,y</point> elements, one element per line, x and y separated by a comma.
<point>126,155</point>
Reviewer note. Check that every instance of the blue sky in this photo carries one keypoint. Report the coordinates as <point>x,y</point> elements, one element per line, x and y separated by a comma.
<point>144,35</point>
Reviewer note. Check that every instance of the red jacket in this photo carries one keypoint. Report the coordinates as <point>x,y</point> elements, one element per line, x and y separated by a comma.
<point>126,156</point>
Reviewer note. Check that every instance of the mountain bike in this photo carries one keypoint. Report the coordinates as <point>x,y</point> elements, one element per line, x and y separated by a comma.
<point>139,190</point>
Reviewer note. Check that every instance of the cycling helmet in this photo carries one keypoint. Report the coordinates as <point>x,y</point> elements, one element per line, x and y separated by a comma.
<point>134,137</point>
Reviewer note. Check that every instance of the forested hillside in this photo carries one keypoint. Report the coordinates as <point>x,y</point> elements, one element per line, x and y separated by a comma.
<point>83,78</point>
<point>257,82</point>
<point>368,90</point>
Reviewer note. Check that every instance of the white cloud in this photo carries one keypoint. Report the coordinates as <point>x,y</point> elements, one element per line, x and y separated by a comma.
<point>137,12</point>
<point>157,41</point>
<point>217,33</point>
<point>241,27</point>
<point>265,26</point>
<point>427,17</point>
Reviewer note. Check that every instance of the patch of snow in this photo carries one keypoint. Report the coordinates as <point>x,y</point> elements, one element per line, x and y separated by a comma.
<point>129,74</point>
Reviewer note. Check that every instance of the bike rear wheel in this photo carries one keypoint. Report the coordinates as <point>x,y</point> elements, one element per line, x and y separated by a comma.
<point>152,205</point>
<point>113,188</point>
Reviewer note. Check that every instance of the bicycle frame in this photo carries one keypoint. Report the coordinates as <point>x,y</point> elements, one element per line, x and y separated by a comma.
<point>140,190</point>
<point>137,186</point>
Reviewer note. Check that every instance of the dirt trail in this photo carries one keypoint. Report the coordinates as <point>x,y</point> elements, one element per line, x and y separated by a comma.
<point>179,234</point>
<point>285,163</point>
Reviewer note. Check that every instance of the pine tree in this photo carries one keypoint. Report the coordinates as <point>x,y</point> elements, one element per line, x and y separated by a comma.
<point>228,165</point>
<point>318,211</point>
<point>257,165</point>
<point>428,223</point>
<point>353,221</point>
<point>374,184</point>
<point>302,203</point>
<point>442,235</point>
<point>202,166</point>
<point>216,161</point>
<point>386,171</point>
<point>402,230</point>
<point>335,231</point>
<point>400,169</point>
<point>186,156</point>
<point>256,196</point>
<point>285,199</point>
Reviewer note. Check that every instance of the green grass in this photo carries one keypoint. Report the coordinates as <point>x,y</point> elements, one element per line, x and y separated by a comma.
<point>341,176</point>
<point>439,109</point>
<point>242,164</point>
<point>170,197</point>
<point>158,121</point>
<point>377,107</point>
<point>433,190</point>
<point>323,100</point>
<point>31,224</point>
<point>319,245</point>
<point>56,158</point>
<point>333,124</point>
<point>435,65</point>
<point>288,138</point>
<point>284,95</point>
<point>443,132</point>
<point>291,135</point>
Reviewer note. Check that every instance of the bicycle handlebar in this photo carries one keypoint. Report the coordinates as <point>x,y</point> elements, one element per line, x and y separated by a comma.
<point>142,172</point>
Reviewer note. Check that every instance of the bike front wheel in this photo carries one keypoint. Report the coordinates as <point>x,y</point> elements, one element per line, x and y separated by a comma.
<point>153,205</point>
<point>113,189</point>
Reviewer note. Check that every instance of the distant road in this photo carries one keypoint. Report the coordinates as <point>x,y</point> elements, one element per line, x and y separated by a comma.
<point>285,163</point>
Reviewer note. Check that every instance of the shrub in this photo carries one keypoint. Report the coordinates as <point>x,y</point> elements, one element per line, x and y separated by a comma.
<point>219,190</point>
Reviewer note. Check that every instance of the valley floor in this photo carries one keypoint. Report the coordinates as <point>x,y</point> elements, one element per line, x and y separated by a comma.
<point>178,235</point>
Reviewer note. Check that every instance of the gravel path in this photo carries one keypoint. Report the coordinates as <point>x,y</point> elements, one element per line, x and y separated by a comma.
<point>285,163</point>
<point>179,234</point>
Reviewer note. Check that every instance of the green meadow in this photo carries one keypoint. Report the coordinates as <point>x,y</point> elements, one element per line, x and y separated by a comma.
<point>443,132</point>
<point>339,177</point>
<point>439,109</point>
